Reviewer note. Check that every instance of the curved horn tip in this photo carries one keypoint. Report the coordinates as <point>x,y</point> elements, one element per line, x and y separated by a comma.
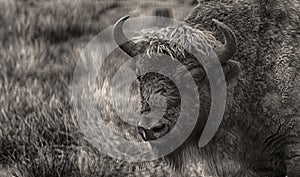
<point>227,51</point>
<point>123,18</point>
<point>121,40</point>
<point>118,29</point>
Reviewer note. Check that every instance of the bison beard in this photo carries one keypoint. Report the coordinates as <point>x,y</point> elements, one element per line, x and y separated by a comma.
<point>259,135</point>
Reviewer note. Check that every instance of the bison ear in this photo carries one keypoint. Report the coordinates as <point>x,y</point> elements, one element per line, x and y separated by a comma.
<point>125,44</point>
<point>232,69</point>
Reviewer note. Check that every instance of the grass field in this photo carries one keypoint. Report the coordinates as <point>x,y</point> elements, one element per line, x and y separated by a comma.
<point>40,43</point>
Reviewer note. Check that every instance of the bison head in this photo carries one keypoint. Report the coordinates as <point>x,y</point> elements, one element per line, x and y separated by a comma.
<point>174,42</point>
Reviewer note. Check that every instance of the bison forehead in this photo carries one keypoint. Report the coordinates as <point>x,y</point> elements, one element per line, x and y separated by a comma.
<point>175,41</point>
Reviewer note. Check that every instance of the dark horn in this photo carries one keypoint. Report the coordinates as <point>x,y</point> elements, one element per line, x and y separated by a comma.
<point>226,51</point>
<point>122,41</point>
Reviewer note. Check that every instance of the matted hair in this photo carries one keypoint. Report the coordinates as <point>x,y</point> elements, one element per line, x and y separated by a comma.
<point>176,41</point>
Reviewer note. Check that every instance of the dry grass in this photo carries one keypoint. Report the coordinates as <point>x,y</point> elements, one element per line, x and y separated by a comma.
<point>39,44</point>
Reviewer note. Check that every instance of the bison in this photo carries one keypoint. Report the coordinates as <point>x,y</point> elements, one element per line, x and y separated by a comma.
<point>259,135</point>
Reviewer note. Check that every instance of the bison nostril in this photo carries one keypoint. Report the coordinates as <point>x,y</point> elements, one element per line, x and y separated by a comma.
<point>160,130</point>
<point>154,132</point>
<point>144,133</point>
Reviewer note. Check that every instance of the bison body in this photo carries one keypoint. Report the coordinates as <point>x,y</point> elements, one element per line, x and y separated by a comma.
<point>259,135</point>
<point>266,97</point>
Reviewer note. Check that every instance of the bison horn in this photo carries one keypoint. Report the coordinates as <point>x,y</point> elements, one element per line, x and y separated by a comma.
<point>226,51</point>
<point>122,41</point>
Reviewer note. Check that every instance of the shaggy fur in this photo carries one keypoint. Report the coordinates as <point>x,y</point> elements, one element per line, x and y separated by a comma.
<point>266,98</point>
<point>175,40</point>
<point>259,135</point>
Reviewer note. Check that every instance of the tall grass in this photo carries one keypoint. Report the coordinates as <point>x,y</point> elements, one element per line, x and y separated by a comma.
<point>38,131</point>
<point>39,44</point>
